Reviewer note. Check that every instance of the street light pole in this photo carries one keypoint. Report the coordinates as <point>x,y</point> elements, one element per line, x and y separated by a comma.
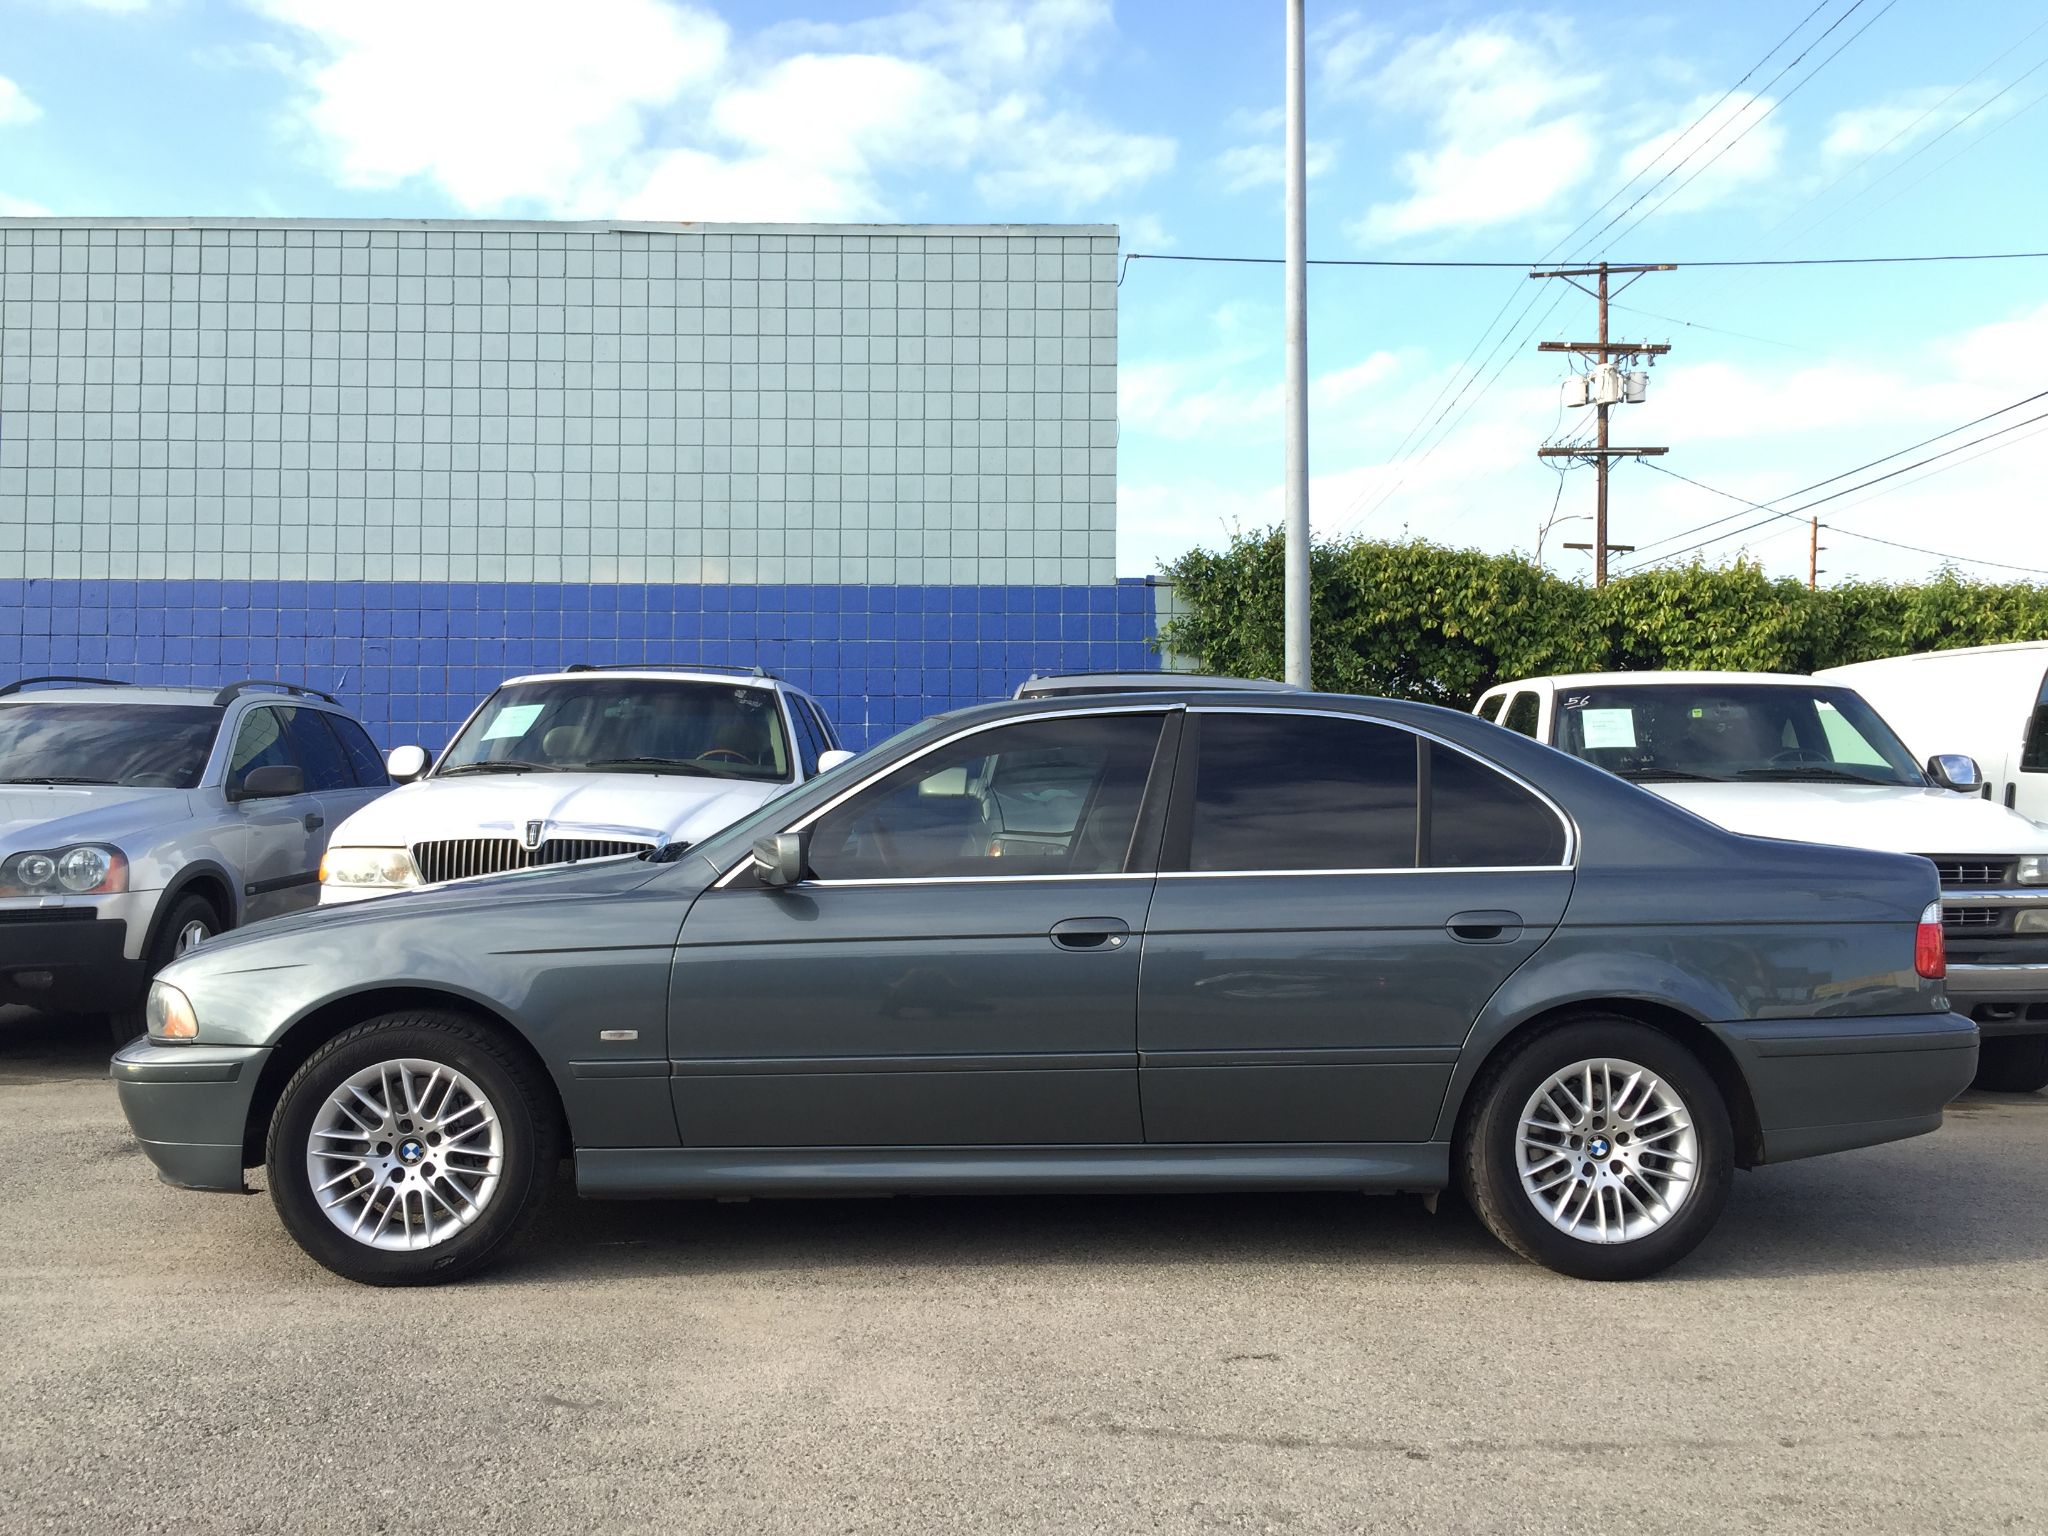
<point>1296,402</point>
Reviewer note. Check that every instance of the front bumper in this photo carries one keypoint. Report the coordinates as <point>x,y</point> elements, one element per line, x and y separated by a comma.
<point>68,959</point>
<point>1826,1085</point>
<point>189,1105</point>
<point>2003,999</point>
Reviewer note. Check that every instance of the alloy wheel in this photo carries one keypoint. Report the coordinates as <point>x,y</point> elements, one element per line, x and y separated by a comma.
<point>405,1154</point>
<point>1607,1151</point>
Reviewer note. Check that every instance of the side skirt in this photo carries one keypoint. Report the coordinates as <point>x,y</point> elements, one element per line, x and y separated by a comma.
<point>709,1172</point>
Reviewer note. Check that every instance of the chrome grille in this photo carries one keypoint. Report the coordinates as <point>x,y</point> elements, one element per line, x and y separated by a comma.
<point>461,857</point>
<point>1970,917</point>
<point>1979,870</point>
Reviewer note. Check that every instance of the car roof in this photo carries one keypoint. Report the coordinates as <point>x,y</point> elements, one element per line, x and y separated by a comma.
<point>739,675</point>
<point>1081,682</point>
<point>123,695</point>
<point>1645,679</point>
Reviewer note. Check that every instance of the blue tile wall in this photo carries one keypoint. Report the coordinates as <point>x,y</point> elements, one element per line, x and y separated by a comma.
<point>412,658</point>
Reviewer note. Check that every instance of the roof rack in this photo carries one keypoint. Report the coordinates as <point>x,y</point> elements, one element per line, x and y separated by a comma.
<point>755,670</point>
<point>29,682</point>
<point>234,691</point>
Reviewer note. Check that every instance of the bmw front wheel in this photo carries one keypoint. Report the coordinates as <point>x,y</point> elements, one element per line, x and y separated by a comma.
<point>411,1149</point>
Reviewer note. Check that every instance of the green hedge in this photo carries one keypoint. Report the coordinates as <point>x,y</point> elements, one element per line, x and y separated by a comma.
<point>1414,620</point>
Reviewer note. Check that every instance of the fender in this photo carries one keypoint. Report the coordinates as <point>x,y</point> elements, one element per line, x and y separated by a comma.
<point>187,874</point>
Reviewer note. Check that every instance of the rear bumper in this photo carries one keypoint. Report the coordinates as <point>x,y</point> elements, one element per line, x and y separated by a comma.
<point>68,960</point>
<point>1826,1085</point>
<point>188,1105</point>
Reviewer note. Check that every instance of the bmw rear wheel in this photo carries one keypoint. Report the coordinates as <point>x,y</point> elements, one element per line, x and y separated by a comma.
<point>1600,1148</point>
<point>411,1149</point>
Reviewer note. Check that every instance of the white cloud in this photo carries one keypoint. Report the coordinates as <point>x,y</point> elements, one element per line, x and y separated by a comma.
<point>1246,166</point>
<point>1512,125</point>
<point>1736,147</point>
<point>15,107</point>
<point>1145,232</point>
<point>1897,123</point>
<point>21,208</point>
<point>654,109</point>
<point>1341,50</point>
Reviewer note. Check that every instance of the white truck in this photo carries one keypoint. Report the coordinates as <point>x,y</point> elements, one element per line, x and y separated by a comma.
<point>1990,701</point>
<point>1808,760</point>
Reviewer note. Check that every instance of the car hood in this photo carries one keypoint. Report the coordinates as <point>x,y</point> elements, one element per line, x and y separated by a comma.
<point>42,816</point>
<point>1888,818</point>
<point>627,807</point>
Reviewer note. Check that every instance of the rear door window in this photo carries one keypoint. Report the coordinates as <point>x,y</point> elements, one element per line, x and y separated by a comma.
<point>1489,709</point>
<point>318,750</point>
<point>362,752</point>
<point>1287,792</point>
<point>1480,818</point>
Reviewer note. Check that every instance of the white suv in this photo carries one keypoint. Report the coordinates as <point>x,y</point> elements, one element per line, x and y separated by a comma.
<point>1807,759</point>
<point>591,763</point>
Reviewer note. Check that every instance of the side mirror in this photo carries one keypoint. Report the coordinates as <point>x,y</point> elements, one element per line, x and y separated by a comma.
<point>832,759</point>
<point>406,763</point>
<point>779,858</point>
<point>1952,770</point>
<point>272,783</point>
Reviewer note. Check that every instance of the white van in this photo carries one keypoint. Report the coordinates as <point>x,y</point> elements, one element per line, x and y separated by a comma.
<point>1776,755</point>
<point>1990,701</point>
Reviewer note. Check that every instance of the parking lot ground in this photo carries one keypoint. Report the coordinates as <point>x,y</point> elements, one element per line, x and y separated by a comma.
<point>1863,1346</point>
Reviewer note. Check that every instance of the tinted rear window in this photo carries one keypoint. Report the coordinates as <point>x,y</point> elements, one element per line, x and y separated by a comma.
<point>318,750</point>
<point>1302,792</point>
<point>1479,817</point>
<point>362,752</point>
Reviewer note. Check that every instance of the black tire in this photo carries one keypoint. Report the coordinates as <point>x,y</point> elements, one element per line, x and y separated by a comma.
<point>2013,1064</point>
<point>527,1118</point>
<point>1493,1180</point>
<point>124,1024</point>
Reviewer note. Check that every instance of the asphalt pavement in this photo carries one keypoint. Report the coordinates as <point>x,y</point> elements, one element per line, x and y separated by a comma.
<point>1861,1347</point>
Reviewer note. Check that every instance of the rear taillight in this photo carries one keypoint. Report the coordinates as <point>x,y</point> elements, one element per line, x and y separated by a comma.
<point>1930,950</point>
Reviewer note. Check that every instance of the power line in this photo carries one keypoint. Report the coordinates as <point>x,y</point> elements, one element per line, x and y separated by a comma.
<point>1794,64</point>
<point>1718,330</point>
<point>1517,266</point>
<point>1823,500</point>
<point>1686,533</point>
<point>1797,86</point>
<point>1939,554</point>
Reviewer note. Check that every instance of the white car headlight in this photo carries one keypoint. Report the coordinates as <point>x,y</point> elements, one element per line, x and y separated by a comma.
<point>372,869</point>
<point>2034,869</point>
<point>87,869</point>
<point>169,1013</point>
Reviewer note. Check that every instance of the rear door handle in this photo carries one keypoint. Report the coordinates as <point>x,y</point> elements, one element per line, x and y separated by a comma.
<point>1484,927</point>
<point>315,821</point>
<point>1090,933</point>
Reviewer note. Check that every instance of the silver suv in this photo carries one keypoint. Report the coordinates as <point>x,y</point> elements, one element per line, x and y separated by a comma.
<point>137,822</point>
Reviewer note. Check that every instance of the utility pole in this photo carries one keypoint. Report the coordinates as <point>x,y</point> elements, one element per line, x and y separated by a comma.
<point>1607,386</point>
<point>1296,391</point>
<point>1813,549</point>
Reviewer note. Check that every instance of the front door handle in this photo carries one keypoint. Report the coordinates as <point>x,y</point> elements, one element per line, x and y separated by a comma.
<point>1090,933</point>
<point>1484,927</point>
<point>315,821</point>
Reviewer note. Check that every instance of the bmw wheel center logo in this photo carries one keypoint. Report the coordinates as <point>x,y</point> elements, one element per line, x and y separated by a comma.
<point>410,1151</point>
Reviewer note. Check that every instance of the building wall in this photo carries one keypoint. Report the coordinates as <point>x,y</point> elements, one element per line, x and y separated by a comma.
<point>404,460</point>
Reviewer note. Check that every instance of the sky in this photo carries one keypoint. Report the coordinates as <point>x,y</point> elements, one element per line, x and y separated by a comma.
<point>1446,132</point>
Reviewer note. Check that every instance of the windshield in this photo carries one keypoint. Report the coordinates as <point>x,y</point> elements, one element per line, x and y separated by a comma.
<point>154,746</point>
<point>1732,732</point>
<point>626,725</point>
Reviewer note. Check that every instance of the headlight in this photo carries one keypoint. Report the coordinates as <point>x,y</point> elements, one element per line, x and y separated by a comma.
<point>88,869</point>
<point>382,869</point>
<point>170,1014</point>
<point>2034,869</point>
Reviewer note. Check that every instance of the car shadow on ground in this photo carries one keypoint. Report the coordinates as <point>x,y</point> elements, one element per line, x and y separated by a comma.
<point>1920,1204</point>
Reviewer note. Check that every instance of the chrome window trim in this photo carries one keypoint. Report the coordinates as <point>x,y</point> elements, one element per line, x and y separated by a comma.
<point>851,790</point>
<point>1571,831</point>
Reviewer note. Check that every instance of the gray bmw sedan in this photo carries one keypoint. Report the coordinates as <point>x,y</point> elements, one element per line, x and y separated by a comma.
<point>1168,941</point>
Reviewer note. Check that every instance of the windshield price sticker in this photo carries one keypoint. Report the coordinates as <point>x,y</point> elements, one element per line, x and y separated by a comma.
<point>1608,727</point>
<point>513,720</point>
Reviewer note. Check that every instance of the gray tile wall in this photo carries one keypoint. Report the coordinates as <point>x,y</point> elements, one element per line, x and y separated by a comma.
<point>490,402</point>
